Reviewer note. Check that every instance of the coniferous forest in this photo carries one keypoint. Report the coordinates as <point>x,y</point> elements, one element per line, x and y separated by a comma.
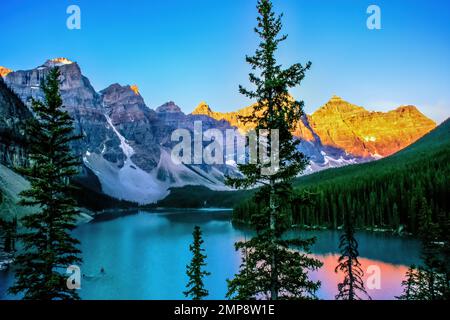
<point>98,209</point>
<point>388,194</point>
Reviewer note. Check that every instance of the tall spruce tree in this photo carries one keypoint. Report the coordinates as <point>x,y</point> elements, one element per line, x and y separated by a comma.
<point>10,234</point>
<point>352,287</point>
<point>431,252</point>
<point>195,287</point>
<point>270,269</point>
<point>444,223</point>
<point>48,246</point>
<point>429,281</point>
<point>410,284</point>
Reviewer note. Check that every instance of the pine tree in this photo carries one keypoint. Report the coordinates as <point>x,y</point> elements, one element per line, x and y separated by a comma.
<point>270,269</point>
<point>196,288</point>
<point>430,281</point>
<point>444,223</point>
<point>395,218</point>
<point>428,233</point>
<point>48,247</point>
<point>410,284</point>
<point>352,286</point>
<point>435,283</point>
<point>10,230</point>
<point>4,235</point>
<point>14,234</point>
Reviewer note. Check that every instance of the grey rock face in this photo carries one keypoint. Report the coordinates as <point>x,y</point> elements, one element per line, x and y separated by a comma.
<point>126,144</point>
<point>169,107</point>
<point>322,156</point>
<point>81,101</point>
<point>76,89</point>
<point>171,115</point>
<point>13,115</point>
<point>137,123</point>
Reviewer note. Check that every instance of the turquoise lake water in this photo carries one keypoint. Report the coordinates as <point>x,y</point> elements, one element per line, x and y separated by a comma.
<point>144,256</point>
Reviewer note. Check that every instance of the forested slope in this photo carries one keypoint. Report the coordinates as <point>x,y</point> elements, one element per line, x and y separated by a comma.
<point>388,193</point>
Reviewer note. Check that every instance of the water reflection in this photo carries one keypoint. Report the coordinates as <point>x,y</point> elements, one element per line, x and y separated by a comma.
<point>144,256</point>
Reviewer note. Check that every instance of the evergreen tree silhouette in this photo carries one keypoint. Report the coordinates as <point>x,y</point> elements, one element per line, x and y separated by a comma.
<point>352,287</point>
<point>48,246</point>
<point>430,280</point>
<point>195,287</point>
<point>270,269</point>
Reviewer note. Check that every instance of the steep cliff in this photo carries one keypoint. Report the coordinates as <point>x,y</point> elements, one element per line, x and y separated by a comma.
<point>80,99</point>
<point>136,122</point>
<point>363,133</point>
<point>341,125</point>
<point>4,71</point>
<point>126,146</point>
<point>13,115</point>
<point>233,118</point>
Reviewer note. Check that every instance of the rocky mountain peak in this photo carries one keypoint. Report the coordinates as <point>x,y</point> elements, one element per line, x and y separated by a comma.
<point>338,105</point>
<point>76,90</point>
<point>364,133</point>
<point>124,105</point>
<point>336,98</point>
<point>202,109</point>
<point>112,87</point>
<point>117,92</point>
<point>168,107</point>
<point>13,116</point>
<point>135,89</point>
<point>409,109</point>
<point>4,71</point>
<point>57,62</point>
<point>127,145</point>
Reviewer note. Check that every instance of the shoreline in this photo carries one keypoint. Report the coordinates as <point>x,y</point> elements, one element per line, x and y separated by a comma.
<point>108,214</point>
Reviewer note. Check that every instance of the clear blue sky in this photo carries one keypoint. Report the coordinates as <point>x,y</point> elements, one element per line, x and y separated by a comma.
<point>193,50</point>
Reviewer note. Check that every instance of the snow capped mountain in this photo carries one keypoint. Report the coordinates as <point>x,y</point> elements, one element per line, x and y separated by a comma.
<point>127,181</point>
<point>128,146</point>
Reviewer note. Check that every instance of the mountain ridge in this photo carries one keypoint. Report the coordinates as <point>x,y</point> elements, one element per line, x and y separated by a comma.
<point>4,71</point>
<point>357,140</point>
<point>433,147</point>
<point>123,136</point>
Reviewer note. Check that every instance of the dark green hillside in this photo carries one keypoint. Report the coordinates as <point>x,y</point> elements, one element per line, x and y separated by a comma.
<point>383,194</point>
<point>200,197</point>
<point>436,141</point>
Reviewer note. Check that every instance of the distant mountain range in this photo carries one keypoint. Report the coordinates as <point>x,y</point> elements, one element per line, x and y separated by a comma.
<point>350,128</point>
<point>423,165</point>
<point>126,149</point>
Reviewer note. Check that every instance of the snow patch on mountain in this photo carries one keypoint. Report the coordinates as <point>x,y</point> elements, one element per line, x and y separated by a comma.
<point>131,183</point>
<point>178,175</point>
<point>329,162</point>
<point>128,182</point>
<point>126,148</point>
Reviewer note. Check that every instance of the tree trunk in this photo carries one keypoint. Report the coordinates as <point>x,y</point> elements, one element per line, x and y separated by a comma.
<point>274,267</point>
<point>351,290</point>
